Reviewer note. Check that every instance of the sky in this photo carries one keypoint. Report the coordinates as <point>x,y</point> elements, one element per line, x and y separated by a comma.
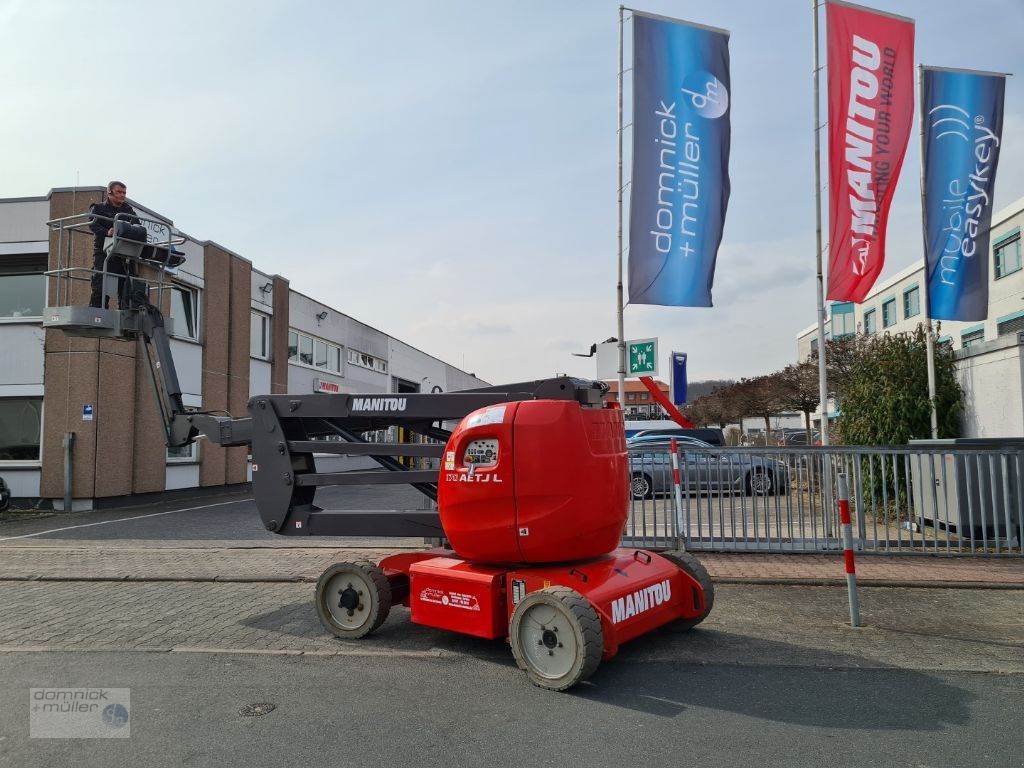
<point>446,171</point>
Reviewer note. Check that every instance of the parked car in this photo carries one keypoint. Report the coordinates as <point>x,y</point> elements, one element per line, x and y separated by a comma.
<point>5,496</point>
<point>650,469</point>
<point>707,435</point>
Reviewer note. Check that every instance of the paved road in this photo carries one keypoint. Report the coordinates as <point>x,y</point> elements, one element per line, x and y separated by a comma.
<point>203,521</point>
<point>467,711</point>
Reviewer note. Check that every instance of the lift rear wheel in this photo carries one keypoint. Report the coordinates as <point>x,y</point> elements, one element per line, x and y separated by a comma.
<point>352,599</point>
<point>556,637</point>
<point>687,562</point>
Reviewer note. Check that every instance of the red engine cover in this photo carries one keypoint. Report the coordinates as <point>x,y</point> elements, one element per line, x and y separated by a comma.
<point>537,481</point>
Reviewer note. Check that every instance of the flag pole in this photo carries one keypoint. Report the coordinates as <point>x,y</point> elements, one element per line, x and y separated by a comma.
<point>822,372</point>
<point>618,289</point>
<point>925,303</point>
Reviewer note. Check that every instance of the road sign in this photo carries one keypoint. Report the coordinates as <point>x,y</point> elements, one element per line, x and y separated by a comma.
<point>642,357</point>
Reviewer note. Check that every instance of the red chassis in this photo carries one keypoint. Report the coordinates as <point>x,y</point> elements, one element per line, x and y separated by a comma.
<point>633,592</point>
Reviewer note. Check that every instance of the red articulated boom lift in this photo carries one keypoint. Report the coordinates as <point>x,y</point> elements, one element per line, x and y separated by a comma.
<point>532,498</point>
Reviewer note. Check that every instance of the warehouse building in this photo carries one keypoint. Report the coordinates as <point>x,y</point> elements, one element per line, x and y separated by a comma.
<point>237,332</point>
<point>990,354</point>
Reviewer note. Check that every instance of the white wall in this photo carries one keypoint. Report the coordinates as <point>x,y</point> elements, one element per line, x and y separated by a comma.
<point>22,482</point>
<point>992,377</point>
<point>21,354</point>
<point>259,300</point>
<point>259,377</point>
<point>24,220</point>
<point>182,476</point>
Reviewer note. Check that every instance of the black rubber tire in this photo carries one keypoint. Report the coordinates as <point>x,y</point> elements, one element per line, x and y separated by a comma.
<point>687,562</point>
<point>749,487</point>
<point>586,625</point>
<point>379,598</point>
<point>650,486</point>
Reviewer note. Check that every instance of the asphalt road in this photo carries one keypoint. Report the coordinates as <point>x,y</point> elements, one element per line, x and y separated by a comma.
<point>467,711</point>
<point>203,520</point>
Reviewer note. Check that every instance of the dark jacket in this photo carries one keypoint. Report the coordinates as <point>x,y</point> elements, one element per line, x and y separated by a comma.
<point>99,226</point>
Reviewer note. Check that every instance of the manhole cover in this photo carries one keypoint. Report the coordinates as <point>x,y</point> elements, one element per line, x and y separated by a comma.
<point>258,709</point>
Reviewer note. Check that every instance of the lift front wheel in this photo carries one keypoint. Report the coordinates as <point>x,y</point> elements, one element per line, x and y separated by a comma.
<point>353,599</point>
<point>556,637</point>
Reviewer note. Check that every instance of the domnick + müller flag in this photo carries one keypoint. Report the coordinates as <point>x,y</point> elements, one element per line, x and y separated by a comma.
<point>870,113</point>
<point>680,179</point>
<point>962,114</point>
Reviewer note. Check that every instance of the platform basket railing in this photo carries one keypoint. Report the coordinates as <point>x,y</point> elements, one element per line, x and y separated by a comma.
<point>904,499</point>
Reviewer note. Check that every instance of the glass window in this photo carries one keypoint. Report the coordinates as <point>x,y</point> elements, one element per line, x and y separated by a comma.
<point>336,359</point>
<point>814,346</point>
<point>972,338</point>
<point>1008,258</point>
<point>20,421</point>
<point>22,295</point>
<point>305,350</point>
<point>185,312</point>
<point>843,324</point>
<point>320,354</point>
<point>293,345</point>
<point>911,302</point>
<point>870,322</point>
<point>183,453</point>
<point>1013,325</point>
<point>259,335</point>
<point>888,313</point>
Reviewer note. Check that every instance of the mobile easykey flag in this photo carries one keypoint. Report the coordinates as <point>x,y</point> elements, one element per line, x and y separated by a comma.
<point>870,113</point>
<point>680,179</point>
<point>962,114</point>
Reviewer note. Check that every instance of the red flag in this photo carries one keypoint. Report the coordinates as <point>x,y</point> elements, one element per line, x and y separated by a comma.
<point>870,114</point>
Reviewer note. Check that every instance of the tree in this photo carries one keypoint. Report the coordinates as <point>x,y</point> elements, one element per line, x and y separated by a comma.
<point>885,399</point>
<point>759,396</point>
<point>798,391</point>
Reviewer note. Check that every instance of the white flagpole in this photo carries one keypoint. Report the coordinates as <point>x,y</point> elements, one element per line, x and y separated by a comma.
<point>618,289</point>
<point>826,469</point>
<point>925,304</point>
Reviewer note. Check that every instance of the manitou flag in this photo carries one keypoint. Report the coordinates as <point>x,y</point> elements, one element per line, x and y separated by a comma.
<point>870,113</point>
<point>962,113</point>
<point>680,183</point>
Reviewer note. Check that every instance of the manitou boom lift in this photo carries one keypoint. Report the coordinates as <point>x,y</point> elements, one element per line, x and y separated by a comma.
<point>532,492</point>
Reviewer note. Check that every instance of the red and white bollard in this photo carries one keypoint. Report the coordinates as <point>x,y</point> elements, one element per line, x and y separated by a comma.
<point>677,489</point>
<point>851,568</point>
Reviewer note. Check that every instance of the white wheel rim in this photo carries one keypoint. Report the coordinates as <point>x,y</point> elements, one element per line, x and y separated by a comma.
<point>640,487</point>
<point>548,641</point>
<point>348,599</point>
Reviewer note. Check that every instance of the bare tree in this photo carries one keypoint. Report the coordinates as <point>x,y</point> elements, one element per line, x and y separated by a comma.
<point>798,390</point>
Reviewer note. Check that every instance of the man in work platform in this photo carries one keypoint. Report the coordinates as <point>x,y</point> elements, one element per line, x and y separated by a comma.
<point>102,226</point>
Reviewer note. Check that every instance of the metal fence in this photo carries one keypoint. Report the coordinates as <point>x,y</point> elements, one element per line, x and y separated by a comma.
<point>962,500</point>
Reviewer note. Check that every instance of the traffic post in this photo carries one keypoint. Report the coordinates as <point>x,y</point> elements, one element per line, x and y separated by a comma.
<point>848,561</point>
<point>677,491</point>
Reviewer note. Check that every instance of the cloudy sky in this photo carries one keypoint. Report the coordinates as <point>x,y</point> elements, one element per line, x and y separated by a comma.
<point>445,171</point>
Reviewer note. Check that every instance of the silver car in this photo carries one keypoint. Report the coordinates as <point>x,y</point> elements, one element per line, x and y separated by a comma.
<point>701,471</point>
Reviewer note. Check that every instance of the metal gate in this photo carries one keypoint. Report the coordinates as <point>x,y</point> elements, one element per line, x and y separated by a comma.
<point>906,499</point>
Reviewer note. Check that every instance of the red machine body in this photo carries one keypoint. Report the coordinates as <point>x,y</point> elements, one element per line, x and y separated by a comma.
<point>633,591</point>
<point>537,481</point>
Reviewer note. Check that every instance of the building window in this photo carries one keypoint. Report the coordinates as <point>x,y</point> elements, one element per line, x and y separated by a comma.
<point>364,360</point>
<point>313,352</point>
<point>630,397</point>
<point>184,454</point>
<point>259,335</point>
<point>843,319</point>
<point>814,346</point>
<point>1008,259</point>
<point>22,288</point>
<point>1010,325</point>
<point>21,419</point>
<point>889,313</point>
<point>972,338</point>
<point>870,322</point>
<point>911,302</point>
<point>185,312</point>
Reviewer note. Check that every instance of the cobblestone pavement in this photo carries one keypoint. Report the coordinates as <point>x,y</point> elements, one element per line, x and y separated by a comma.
<point>233,561</point>
<point>970,630</point>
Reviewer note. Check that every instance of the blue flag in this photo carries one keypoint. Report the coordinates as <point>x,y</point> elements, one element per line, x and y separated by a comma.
<point>680,180</point>
<point>678,378</point>
<point>963,124</point>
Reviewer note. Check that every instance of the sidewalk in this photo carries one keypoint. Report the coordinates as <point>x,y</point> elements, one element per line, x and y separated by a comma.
<point>230,562</point>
